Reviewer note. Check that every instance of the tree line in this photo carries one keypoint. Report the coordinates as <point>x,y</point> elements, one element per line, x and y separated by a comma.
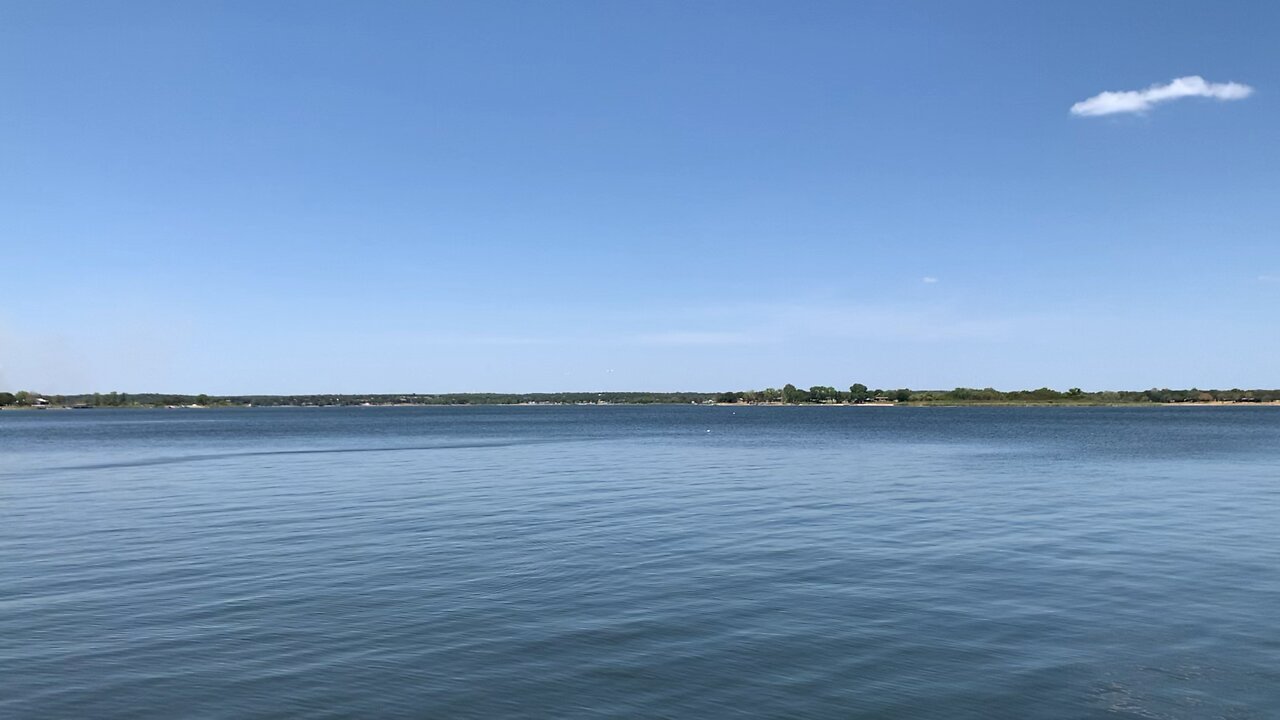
<point>857,393</point>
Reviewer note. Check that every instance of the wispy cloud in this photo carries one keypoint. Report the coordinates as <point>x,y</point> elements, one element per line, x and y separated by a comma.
<point>805,321</point>
<point>1269,278</point>
<point>1138,101</point>
<point>928,279</point>
<point>734,325</point>
<point>695,338</point>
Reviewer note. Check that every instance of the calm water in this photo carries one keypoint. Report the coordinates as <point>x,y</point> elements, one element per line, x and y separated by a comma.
<point>630,562</point>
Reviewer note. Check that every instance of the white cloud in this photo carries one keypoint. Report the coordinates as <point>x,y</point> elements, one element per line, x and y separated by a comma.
<point>1138,101</point>
<point>929,279</point>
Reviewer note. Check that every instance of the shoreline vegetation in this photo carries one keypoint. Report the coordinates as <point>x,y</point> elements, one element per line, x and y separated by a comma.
<point>788,395</point>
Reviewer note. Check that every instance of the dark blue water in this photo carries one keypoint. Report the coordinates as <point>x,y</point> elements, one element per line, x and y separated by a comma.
<point>630,562</point>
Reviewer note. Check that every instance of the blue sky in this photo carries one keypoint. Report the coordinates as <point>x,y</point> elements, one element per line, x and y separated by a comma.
<point>399,197</point>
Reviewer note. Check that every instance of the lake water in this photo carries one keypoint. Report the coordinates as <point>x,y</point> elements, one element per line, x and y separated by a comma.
<point>641,562</point>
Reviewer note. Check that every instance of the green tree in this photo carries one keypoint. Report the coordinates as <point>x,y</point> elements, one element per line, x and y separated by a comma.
<point>822,393</point>
<point>858,393</point>
<point>1045,393</point>
<point>7,398</point>
<point>22,398</point>
<point>792,394</point>
<point>202,399</point>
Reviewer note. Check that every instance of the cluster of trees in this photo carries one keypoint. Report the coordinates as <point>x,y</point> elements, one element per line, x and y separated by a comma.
<point>822,394</point>
<point>859,393</point>
<point>118,399</point>
<point>638,398</point>
<point>1105,397</point>
<point>24,398</point>
<point>1165,395</point>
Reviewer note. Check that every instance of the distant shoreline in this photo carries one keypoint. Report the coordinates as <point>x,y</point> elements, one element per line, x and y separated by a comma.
<point>910,404</point>
<point>857,395</point>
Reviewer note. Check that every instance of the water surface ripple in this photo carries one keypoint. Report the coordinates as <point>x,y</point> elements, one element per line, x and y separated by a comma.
<point>624,562</point>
